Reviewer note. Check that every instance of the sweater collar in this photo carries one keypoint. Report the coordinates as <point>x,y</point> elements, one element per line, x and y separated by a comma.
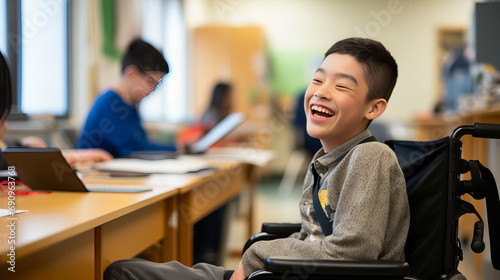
<point>321,160</point>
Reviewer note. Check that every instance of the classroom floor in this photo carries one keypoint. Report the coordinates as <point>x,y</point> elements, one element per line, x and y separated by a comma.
<point>273,205</point>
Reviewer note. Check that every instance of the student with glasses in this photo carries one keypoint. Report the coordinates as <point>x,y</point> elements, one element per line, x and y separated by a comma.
<point>113,123</point>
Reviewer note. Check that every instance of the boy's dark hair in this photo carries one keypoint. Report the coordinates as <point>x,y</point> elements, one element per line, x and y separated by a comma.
<point>5,87</point>
<point>379,67</point>
<point>145,57</point>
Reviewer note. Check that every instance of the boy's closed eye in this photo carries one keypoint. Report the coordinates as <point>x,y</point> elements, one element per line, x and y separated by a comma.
<point>342,87</point>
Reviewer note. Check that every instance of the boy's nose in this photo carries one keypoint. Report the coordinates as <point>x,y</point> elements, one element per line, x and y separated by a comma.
<point>321,94</point>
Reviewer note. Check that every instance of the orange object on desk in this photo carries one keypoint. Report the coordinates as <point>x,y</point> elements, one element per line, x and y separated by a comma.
<point>19,189</point>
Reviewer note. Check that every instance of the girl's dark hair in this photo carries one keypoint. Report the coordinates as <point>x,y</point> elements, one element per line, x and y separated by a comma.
<point>379,67</point>
<point>145,57</point>
<point>5,87</point>
<point>220,92</point>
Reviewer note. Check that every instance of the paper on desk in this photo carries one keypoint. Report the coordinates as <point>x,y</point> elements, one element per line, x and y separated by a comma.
<point>173,166</point>
<point>7,212</point>
<point>252,156</point>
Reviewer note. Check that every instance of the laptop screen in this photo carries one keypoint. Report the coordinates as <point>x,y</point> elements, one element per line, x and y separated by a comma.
<point>215,134</point>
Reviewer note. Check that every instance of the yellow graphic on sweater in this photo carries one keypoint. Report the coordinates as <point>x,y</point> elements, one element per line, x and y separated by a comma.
<point>323,201</point>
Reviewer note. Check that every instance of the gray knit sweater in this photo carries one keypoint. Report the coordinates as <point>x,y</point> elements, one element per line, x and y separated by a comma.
<point>368,204</point>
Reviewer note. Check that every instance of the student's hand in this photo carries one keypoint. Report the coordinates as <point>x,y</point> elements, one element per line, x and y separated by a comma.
<point>86,156</point>
<point>238,273</point>
<point>33,142</point>
<point>3,128</point>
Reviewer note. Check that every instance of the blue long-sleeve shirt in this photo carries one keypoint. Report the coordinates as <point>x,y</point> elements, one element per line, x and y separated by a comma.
<point>116,127</point>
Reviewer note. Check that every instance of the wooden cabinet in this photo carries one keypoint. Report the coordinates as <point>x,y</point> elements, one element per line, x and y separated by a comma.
<point>230,54</point>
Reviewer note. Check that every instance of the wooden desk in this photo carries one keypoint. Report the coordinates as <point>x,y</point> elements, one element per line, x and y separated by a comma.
<point>77,235</point>
<point>201,194</point>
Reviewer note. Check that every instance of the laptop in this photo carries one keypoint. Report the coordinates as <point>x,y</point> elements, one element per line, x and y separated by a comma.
<point>46,169</point>
<point>213,136</point>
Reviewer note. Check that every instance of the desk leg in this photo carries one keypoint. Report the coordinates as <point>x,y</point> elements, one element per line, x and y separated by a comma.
<point>170,241</point>
<point>98,253</point>
<point>252,179</point>
<point>185,248</point>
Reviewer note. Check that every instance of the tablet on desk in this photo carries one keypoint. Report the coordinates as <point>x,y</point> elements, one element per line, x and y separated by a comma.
<point>46,169</point>
<point>219,131</point>
<point>215,134</point>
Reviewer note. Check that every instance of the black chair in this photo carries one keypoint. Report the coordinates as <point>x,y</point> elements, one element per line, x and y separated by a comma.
<point>433,250</point>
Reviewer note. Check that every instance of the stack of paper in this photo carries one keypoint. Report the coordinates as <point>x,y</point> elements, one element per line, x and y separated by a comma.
<point>173,166</point>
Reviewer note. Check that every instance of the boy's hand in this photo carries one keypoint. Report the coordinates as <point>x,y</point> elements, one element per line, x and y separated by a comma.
<point>74,156</point>
<point>238,274</point>
<point>33,142</point>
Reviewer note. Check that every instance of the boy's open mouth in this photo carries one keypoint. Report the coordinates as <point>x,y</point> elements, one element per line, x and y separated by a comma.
<point>321,112</point>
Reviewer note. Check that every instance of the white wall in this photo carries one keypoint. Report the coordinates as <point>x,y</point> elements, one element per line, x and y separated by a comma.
<point>406,27</point>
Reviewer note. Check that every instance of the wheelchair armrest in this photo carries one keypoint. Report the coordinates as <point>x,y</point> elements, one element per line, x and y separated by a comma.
<point>261,236</point>
<point>341,269</point>
<point>281,228</point>
<point>272,231</point>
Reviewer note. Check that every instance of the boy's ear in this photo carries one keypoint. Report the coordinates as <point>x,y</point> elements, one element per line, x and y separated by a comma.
<point>377,107</point>
<point>130,69</point>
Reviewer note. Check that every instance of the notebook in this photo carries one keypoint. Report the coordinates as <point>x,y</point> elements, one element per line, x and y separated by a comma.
<point>220,130</point>
<point>46,169</point>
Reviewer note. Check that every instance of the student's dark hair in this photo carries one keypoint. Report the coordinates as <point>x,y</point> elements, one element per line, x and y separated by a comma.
<point>5,87</point>
<point>379,67</point>
<point>145,57</point>
<point>220,92</point>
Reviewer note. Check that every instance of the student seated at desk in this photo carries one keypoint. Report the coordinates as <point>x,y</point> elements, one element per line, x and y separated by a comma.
<point>220,106</point>
<point>357,182</point>
<point>71,156</point>
<point>113,123</point>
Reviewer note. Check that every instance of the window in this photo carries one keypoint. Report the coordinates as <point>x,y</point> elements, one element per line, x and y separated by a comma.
<point>44,57</point>
<point>163,26</point>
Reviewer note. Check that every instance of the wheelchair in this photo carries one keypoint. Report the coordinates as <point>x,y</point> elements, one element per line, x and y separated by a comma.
<point>432,170</point>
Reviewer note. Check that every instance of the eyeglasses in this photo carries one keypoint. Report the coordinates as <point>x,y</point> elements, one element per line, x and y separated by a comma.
<point>153,84</point>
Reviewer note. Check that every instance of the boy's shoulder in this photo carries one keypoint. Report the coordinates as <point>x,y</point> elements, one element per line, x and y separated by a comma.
<point>373,151</point>
<point>367,158</point>
<point>108,100</point>
<point>107,95</point>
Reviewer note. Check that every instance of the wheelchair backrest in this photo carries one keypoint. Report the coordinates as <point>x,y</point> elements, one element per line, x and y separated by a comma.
<point>425,166</point>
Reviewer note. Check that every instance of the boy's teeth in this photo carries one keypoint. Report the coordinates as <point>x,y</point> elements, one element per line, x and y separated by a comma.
<point>322,110</point>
